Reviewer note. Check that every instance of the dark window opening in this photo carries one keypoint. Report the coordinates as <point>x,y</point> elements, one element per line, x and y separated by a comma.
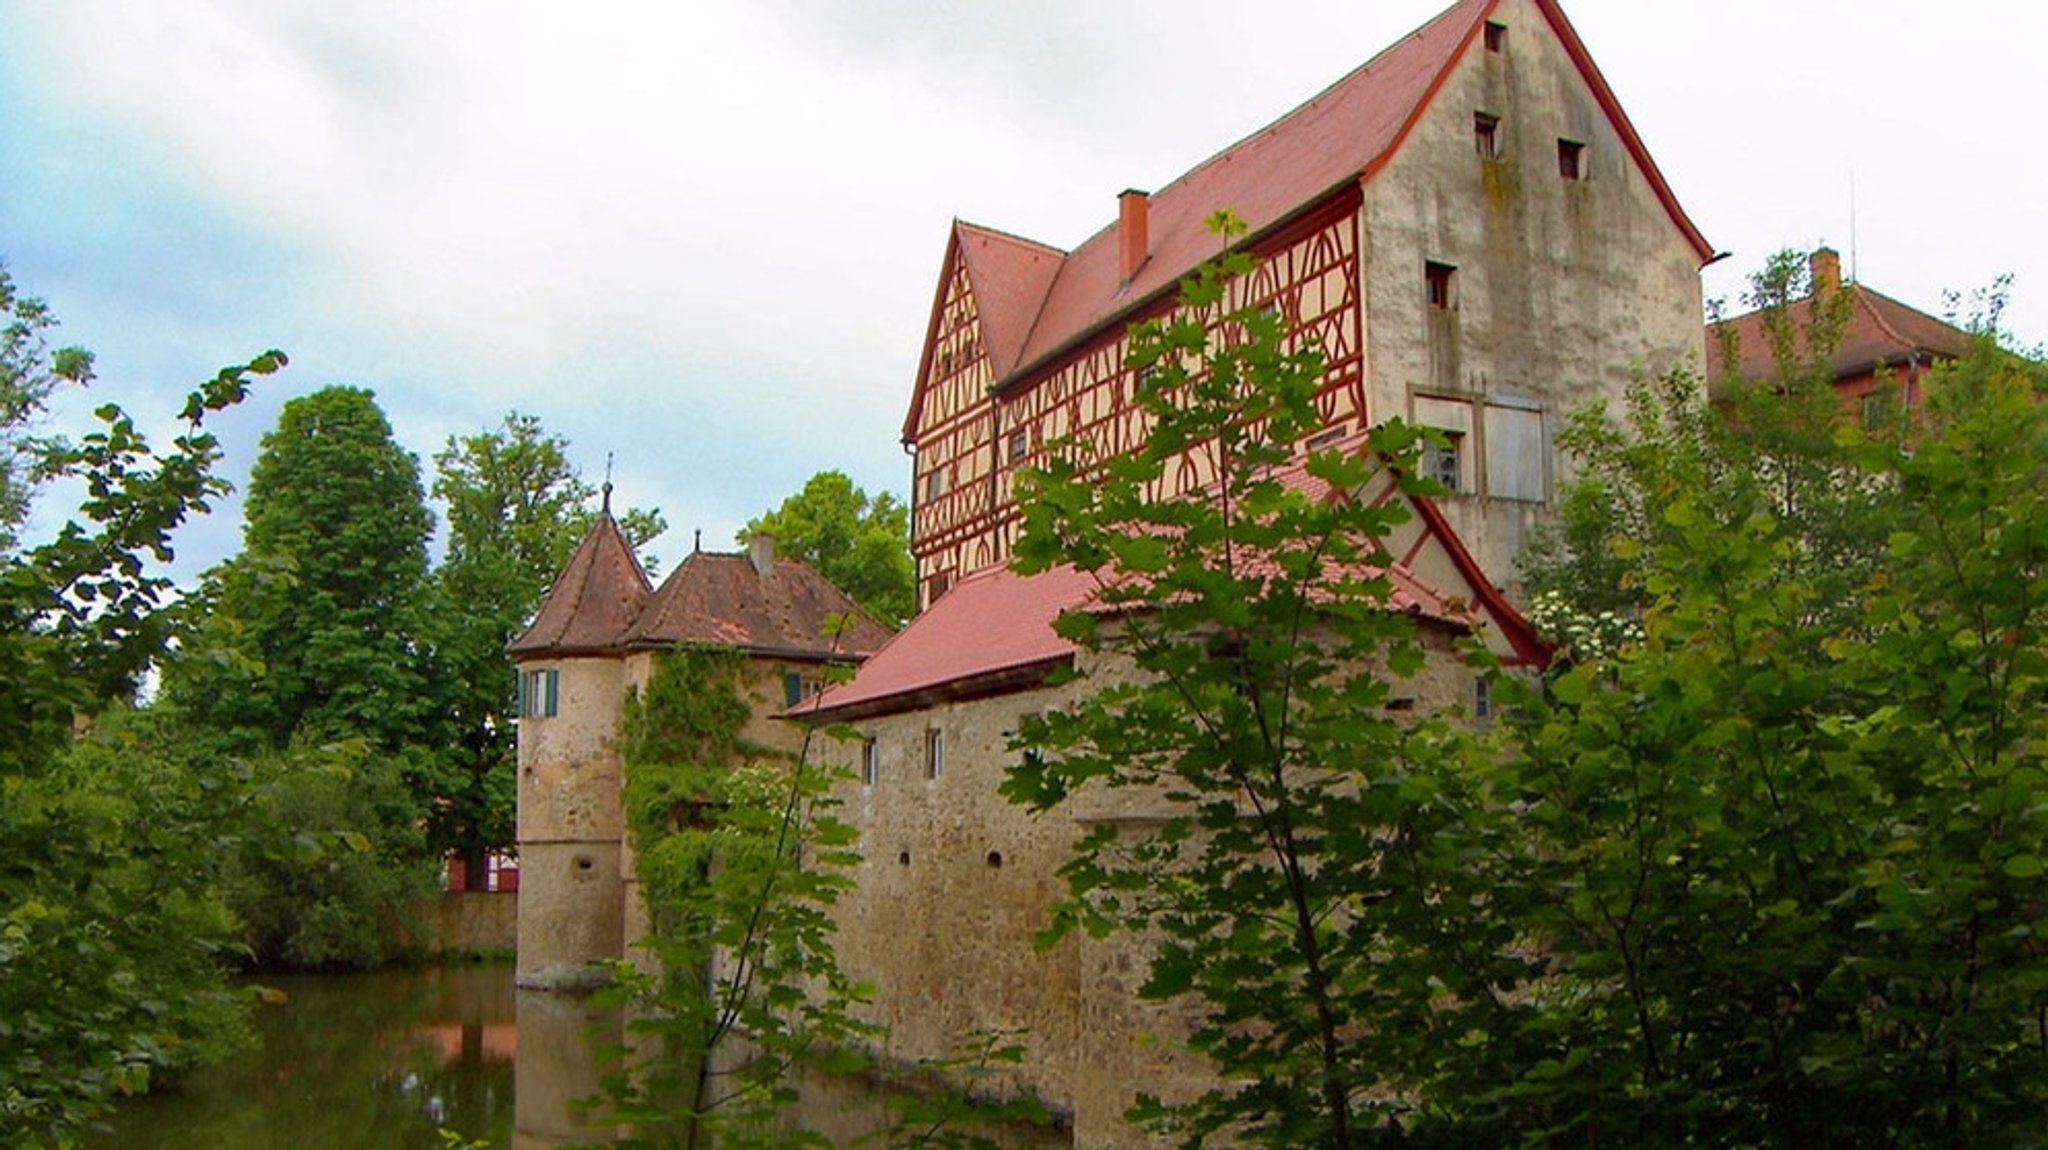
<point>1440,460</point>
<point>995,858</point>
<point>1437,277</point>
<point>1482,698</point>
<point>935,485</point>
<point>1496,37</point>
<point>870,761</point>
<point>903,859</point>
<point>1020,444</point>
<point>1400,705</point>
<point>1486,135</point>
<point>1325,438</point>
<point>934,753</point>
<point>1571,159</point>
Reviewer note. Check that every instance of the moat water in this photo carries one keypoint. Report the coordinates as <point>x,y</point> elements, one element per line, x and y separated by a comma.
<point>389,1059</point>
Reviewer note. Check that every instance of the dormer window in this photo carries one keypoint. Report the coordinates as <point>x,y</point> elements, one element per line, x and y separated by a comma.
<point>1486,134</point>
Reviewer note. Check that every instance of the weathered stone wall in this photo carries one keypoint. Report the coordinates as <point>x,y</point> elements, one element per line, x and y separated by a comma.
<point>472,922</point>
<point>571,824</point>
<point>1561,287</point>
<point>955,883</point>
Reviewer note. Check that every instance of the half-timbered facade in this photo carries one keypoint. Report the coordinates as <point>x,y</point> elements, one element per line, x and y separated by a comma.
<point>1468,228</point>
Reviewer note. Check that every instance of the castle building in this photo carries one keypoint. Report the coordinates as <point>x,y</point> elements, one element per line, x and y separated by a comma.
<point>1467,226</point>
<point>591,647</point>
<point>1476,239</point>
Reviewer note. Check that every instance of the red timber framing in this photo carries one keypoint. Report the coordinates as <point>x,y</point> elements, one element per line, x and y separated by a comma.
<point>972,437</point>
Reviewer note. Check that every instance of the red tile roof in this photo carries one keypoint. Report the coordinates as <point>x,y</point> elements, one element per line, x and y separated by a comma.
<point>722,599</point>
<point>1344,134</point>
<point>992,632</point>
<point>1880,332</point>
<point>989,632</point>
<point>597,596</point>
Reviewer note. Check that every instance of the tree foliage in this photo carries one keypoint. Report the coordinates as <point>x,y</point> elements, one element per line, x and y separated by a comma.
<point>1291,853</point>
<point>740,859</point>
<point>314,629</point>
<point>860,543</point>
<point>515,506</point>
<point>1781,856</point>
<point>110,932</point>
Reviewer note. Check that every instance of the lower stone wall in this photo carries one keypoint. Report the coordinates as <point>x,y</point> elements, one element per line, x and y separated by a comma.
<point>472,922</point>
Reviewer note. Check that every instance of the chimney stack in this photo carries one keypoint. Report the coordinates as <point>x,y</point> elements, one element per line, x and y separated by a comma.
<point>1133,245</point>
<point>1826,267</point>
<point>761,550</point>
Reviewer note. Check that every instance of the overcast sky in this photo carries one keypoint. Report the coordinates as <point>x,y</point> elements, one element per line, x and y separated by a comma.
<point>704,237</point>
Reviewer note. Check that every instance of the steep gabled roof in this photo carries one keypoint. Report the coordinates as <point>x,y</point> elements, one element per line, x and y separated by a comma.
<point>1880,332</point>
<point>724,600</point>
<point>597,596</point>
<point>1346,133</point>
<point>992,632</point>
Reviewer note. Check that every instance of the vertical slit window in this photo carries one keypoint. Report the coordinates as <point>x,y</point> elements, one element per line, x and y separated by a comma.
<point>1486,135</point>
<point>1571,159</point>
<point>1436,280</point>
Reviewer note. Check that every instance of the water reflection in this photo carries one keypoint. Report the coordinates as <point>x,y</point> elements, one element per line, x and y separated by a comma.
<point>380,1059</point>
<point>389,1058</point>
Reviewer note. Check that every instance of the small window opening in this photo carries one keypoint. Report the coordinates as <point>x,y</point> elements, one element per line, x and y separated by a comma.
<point>1482,698</point>
<point>1437,279</point>
<point>870,761</point>
<point>1486,135</point>
<point>935,484</point>
<point>792,688</point>
<point>1571,159</point>
<point>1020,444</point>
<point>1400,705</point>
<point>1440,460</point>
<point>903,859</point>
<point>936,586</point>
<point>1496,37</point>
<point>934,753</point>
<point>540,693</point>
<point>1325,438</point>
<point>1877,409</point>
<point>995,859</point>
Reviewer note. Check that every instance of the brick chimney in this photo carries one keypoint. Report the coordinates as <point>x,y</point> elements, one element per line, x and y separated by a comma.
<point>1826,267</point>
<point>761,551</point>
<point>1132,241</point>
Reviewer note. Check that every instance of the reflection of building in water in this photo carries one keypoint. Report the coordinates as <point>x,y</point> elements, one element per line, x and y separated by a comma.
<point>559,1036</point>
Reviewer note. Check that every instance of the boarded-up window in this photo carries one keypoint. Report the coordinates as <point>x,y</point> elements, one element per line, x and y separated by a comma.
<point>1517,466</point>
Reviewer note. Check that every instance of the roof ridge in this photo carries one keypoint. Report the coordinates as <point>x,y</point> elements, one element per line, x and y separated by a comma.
<point>1877,315</point>
<point>1001,233</point>
<point>1274,124</point>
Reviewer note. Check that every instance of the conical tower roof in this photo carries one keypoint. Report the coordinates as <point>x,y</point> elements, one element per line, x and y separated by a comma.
<point>594,602</point>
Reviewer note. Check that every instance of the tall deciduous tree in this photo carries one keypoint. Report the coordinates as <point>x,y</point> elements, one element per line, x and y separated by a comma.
<point>329,594</point>
<point>860,542</point>
<point>1301,840</point>
<point>516,507</point>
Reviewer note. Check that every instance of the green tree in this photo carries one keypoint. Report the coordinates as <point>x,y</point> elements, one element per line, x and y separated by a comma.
<point>329,594</point>
<point>860,543</point>
<point>1782,855</point>
<point>1306,840</point>
<point>319,634</point>
<point>30,372</point>
<point>741,858</point>
<point>110,936</point>
<point>515,507</point>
